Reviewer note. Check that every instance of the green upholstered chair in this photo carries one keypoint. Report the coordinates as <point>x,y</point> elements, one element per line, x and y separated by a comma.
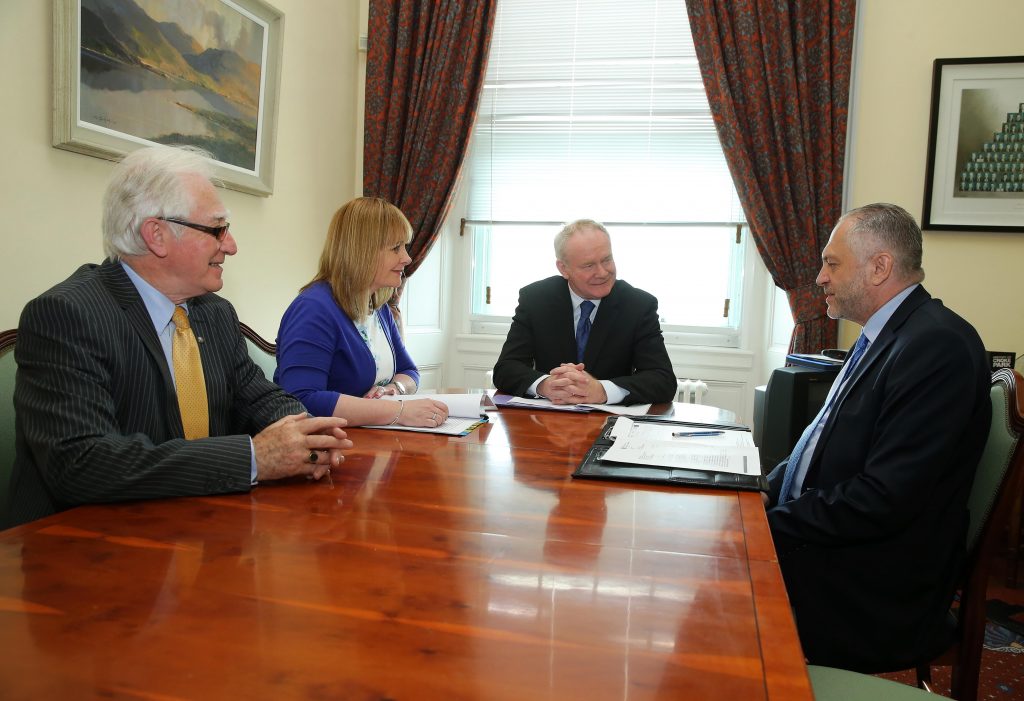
<point>7,369</point>
<point>262,351</point>
<point>997,483</point>
<point>832,684</point>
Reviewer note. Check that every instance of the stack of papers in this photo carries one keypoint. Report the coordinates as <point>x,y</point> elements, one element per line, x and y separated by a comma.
<point>633,410</point>
<point>814,360</point>
<point>667,445</point>
<point>674,453</point>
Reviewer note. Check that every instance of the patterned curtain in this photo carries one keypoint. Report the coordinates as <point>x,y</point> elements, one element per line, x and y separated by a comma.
<point>425,67</point>
<point>777,75</point>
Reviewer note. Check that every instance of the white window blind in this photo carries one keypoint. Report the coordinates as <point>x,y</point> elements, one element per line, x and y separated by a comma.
<point>596,109</point>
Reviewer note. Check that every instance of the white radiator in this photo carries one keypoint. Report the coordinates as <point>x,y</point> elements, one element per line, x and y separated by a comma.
<point>691,391</point>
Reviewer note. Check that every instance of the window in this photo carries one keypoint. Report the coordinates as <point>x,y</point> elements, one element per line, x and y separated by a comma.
<point>596,109</point>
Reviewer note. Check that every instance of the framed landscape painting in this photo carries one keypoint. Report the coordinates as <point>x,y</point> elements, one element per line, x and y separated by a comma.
<point>130,73</point>
<point>975,173</point>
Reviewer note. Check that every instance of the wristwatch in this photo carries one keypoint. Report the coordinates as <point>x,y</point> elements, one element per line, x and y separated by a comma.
<point>399,386</point>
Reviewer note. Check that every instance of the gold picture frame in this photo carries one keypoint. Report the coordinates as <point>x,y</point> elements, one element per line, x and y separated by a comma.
<point>131,73</point>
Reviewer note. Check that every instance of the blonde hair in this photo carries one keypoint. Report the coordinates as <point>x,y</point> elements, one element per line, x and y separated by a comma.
<point>358,232</point>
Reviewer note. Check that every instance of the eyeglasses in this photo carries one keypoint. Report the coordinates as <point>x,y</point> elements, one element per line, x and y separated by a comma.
<point>215,231</point>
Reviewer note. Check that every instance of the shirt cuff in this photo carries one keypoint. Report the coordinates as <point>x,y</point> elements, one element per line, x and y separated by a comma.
<point>615,393</point>
<point>532,390</point>
<point>252,463</point>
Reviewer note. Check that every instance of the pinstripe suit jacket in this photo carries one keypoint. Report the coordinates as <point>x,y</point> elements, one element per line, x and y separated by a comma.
<point>97,416</point>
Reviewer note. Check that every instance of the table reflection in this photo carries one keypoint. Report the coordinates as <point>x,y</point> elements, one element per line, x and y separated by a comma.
<point>424,567</point>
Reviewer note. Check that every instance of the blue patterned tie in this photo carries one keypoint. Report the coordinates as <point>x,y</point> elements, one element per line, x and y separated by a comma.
<point>801,445</point>
<point>583,328</point>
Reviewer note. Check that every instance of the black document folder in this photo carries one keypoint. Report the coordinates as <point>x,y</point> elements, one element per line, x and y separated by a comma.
<point>594,467</point>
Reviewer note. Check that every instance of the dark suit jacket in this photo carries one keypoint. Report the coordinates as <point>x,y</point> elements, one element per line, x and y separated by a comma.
<point>872,548</point>
<point>97,416</point>
<point>625,345</point>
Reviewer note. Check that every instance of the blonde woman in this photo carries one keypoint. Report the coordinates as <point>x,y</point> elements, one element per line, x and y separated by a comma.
<point>339,349</point>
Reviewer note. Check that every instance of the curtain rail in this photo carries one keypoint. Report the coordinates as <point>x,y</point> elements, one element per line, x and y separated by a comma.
<point>676,224</point>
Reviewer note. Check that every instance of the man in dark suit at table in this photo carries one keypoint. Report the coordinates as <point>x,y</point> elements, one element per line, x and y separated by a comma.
<point>133,379</point>
<point>584,337</point>
<point>869,512</point>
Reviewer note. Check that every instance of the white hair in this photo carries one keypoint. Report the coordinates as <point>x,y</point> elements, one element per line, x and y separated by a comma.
<point>149,182</point>
<point>562,237</point>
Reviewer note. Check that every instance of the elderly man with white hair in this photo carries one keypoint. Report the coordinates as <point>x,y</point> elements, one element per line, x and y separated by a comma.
<point>133,378</point>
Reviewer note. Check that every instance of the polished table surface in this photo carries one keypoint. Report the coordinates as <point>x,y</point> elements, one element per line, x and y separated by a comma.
<point>426,567</point>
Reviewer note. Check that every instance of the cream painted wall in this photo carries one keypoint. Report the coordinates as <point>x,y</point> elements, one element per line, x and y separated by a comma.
<point>50,198</point>
<point>976,274</point>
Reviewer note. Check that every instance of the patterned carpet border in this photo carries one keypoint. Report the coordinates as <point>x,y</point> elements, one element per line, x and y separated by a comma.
<point>1002,660</point>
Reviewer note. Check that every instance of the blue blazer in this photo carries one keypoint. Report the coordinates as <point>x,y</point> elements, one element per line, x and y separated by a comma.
<point>97,416</point>
<point>321,355</point>
<point>872,549</point>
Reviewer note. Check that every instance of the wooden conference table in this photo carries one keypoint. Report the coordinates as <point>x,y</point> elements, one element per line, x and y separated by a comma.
<point>427,567</point>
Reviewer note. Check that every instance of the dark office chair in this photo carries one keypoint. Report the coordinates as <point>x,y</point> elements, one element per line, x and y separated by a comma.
<point>7,369</point>
<point>262,351</point>
<point>998,481</point>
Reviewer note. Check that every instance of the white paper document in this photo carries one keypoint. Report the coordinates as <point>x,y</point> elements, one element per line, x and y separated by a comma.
<point>670,445</point>
<point>465,406</point>
<point>452,426</point>
<point>464,413</point>
<point>634,410</point>
<point>543,404</point>
<point>631,410</point>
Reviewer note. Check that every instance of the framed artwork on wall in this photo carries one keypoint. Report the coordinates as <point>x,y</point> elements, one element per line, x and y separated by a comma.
<point>206,73</point>
<point>975,175</point>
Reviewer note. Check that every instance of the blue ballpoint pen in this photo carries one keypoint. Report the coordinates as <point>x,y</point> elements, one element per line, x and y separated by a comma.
<point>696,434</point>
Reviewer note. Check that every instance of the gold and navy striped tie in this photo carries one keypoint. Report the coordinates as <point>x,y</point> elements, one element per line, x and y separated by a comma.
<point>188,378</point>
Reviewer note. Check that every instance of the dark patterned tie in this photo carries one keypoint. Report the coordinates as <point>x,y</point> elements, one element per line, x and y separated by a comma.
<point>583,328</point>
<point>801,445</point>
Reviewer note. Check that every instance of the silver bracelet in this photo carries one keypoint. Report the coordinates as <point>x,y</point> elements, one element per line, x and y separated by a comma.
<point>401,406</point>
